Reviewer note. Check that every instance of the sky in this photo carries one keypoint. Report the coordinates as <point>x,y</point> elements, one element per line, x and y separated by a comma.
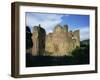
<point>49,20</point>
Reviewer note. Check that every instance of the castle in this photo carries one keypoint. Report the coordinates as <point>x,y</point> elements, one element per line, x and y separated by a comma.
<point>58,43</point>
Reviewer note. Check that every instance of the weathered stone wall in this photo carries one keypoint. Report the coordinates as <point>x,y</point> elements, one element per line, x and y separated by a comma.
<point>38,38</point>
<point>61,42</point>
<point>58,43</point>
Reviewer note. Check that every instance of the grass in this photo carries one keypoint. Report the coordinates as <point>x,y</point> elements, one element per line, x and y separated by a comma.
<point>79,56</point>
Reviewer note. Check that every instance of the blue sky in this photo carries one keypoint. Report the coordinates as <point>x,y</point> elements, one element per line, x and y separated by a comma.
<point>48,21</point>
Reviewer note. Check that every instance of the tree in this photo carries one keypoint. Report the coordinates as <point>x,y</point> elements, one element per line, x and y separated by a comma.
<point>29,42</point>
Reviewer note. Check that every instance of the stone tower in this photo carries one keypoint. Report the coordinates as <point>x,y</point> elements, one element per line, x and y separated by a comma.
<point>77,37</point>
<point>65,28</point>
<point>38,39</point>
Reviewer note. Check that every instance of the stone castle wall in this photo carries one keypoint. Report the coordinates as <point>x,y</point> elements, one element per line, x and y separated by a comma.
<point>58,43</point>
<point>38,38</point>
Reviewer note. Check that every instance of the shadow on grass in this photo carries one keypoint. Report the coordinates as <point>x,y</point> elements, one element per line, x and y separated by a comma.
<point>79,56</point>
<point>32,61</point>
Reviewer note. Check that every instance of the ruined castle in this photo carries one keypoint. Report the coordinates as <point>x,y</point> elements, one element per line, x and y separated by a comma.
<point>60,42</point>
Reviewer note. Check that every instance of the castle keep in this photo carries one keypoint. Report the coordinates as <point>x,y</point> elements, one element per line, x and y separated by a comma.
<point>58,43</point>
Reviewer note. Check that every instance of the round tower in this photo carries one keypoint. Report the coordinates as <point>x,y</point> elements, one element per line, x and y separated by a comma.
<point>58,28</point>
<point>65,28</point>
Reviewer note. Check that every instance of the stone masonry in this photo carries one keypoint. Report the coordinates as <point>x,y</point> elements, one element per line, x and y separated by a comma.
<point>38,38</point>
<point>58,43</point>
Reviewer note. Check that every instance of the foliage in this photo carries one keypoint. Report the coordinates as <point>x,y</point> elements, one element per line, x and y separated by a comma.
<point>81,55</point>
<point>29,43</point>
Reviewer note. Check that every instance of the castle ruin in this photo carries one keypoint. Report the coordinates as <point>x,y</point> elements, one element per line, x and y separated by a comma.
<point>38,38</point>
<point>58,43</point>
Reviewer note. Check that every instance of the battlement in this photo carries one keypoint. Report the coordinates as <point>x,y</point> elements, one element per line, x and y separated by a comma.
<point>59,28</point>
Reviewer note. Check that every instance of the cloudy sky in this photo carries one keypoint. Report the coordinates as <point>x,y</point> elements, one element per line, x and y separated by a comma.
<point>48,21</point>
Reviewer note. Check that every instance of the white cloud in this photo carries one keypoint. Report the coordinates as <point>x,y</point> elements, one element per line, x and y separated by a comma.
<point>84,32</point>
<point>47,21</point>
